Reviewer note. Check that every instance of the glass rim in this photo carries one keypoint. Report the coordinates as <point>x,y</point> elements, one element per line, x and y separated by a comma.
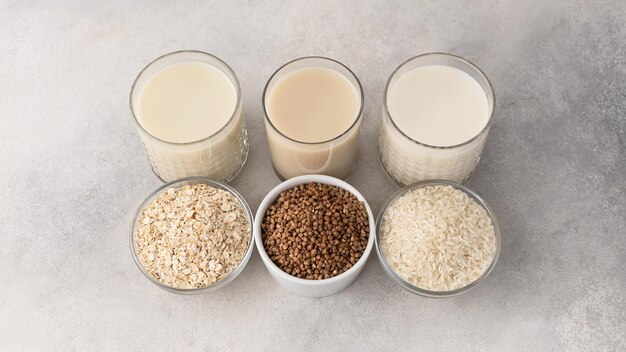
<point>179,52</point>
<point>177,183</point>
<point>464,61</point>
<point>359,92</point>
<point>418,290</point>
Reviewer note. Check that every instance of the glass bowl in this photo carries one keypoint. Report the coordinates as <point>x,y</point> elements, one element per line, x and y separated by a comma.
<point>184,182</point>
<point>417,290</point>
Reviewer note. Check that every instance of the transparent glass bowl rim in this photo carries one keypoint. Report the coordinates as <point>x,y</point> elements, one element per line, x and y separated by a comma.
<point>420,291</point>
<point>464,62</point>
<point>308,58</point>
<point>194,52</point>
<point>191,181</point>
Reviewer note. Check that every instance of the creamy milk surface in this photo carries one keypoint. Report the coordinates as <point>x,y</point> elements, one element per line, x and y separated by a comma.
<point>313,104</point>
<point>438,105</point>
<point>186,102</point>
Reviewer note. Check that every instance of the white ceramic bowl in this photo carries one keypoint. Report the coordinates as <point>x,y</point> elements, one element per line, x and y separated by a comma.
<point>312,288</point>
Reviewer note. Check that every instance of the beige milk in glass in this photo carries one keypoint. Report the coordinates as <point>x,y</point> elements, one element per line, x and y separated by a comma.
<point>313,108</point>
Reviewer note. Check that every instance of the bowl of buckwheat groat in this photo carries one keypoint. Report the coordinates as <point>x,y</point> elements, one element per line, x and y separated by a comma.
<point>314,234</point>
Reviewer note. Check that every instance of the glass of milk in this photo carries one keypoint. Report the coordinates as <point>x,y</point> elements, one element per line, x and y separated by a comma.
<point>313,108</point>
<point>187,108</point>
<point>437,111</point>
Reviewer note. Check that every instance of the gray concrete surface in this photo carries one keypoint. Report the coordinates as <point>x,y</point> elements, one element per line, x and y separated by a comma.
<point>73,171</point>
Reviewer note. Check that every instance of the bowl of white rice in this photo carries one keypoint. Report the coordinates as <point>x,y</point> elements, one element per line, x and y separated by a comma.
<point>437,238</point>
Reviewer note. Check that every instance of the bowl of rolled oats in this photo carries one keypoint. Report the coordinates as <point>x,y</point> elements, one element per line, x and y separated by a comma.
<point>192,235</point>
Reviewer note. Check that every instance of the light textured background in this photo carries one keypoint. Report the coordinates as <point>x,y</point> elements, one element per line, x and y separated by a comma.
<point>72,172</point>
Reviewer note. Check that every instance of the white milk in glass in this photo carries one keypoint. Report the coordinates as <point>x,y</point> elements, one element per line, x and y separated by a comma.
<point>440,113</point>
<point>191,121</point>
<point>317,109</point>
